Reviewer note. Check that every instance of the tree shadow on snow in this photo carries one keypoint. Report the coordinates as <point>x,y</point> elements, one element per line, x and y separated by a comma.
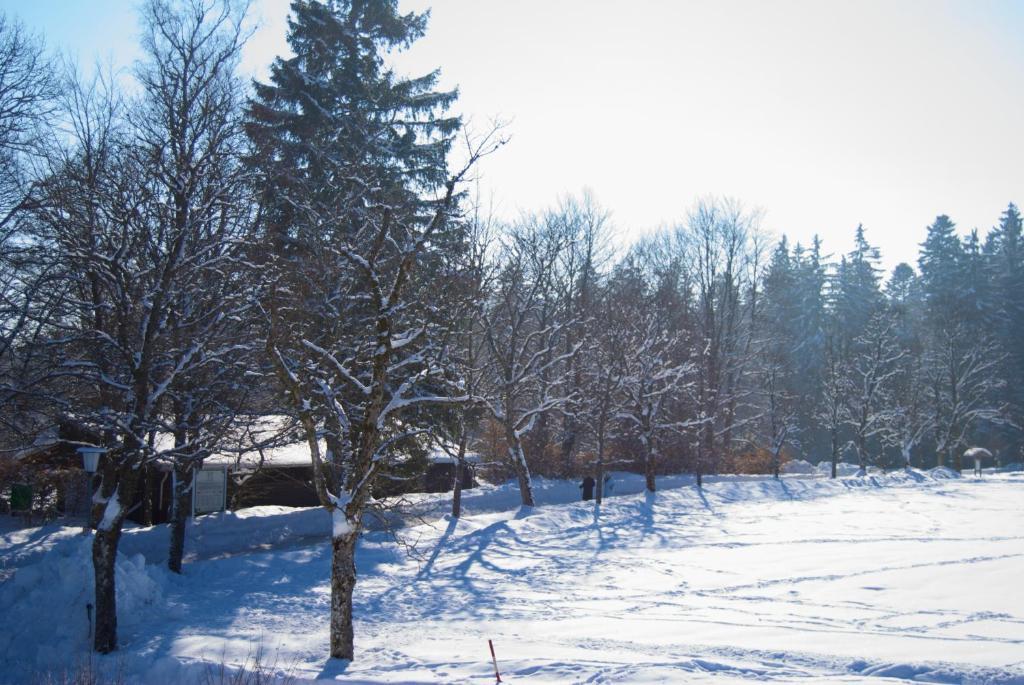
<point>704,500</point>
<point>467,584</point>
<point>441,543</point>
<point>647,512</point>
<point>333,668</point>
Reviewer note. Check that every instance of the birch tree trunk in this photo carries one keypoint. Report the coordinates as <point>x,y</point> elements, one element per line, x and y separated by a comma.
<point>518,459</point>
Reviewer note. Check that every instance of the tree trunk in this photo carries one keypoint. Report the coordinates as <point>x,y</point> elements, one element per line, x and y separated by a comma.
<point>460,469</point>
<point>104,557</point>
<point>835,452</point>
<point>649,470</point>
<point>706,452</point>
<point>146,483</point>
<point>518,459</point>
<point>650,451</point>
<point>343,583</point>
<point>600,470</point>
<point>181,509</point>
<point>93,512</point>
<point>568,444</point>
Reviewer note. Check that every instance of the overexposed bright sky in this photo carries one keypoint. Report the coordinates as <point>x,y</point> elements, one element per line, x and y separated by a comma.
<point>824,114</point>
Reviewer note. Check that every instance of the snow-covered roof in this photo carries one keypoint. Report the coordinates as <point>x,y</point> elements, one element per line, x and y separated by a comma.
<point>439,455</point>
<point>45,439</point>
<point>265,441</point>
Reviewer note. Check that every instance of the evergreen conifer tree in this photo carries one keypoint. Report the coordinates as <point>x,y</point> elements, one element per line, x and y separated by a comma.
<point>857,295</point>
<point>940,262</point>
<point>808,354</point>
<point>335,132</point>
<point>1004,254</point>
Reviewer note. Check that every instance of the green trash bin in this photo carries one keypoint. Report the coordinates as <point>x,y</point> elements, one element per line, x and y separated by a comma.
<point>21,497</point>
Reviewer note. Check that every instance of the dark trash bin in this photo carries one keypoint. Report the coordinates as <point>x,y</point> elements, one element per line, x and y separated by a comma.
<point>588,488</point>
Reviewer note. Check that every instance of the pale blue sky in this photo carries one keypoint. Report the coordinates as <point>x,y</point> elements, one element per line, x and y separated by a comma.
<point>825,114</point>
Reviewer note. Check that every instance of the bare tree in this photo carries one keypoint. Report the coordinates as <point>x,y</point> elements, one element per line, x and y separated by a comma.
<point>28,91</point>
<point>723,247</point>
<point>872,369</point>
<point>650,379</point>
<point>961,374</point>
<point>136,222</point>
<point>578,275</point>
<point>526,353</point>
<point>908,422</point>
<point>835,386</point>
<point>603,365</point>
<point>646,354</point>
<point>466,296</point>
<point>778,415</point>
<point>359,386</point>
<point>189,128</point>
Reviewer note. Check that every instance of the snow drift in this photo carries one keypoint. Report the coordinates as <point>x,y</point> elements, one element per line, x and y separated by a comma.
<point>47,605</point>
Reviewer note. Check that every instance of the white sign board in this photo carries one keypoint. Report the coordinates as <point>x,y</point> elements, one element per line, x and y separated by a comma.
<point>209,491</point>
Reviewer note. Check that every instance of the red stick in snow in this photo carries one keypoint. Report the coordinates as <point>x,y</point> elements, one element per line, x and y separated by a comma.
<point>495,660</point>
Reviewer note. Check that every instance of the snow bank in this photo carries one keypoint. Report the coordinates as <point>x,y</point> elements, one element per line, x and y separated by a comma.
<point>45,613</point>
<point>227,534</point>
<point>943,473</point>
<point>266,526</point>
<point>589,575</point>
<point>936,672</point>
<point>799,466</point>
<point>843,470</point>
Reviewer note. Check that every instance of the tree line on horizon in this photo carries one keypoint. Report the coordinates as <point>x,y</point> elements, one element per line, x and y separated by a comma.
<point>183,256</point>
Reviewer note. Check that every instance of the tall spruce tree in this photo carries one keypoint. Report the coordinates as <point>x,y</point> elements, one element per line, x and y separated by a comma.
<point>336,131</point>
<point>809,278</point>
<point>940,261</point>
<point>975,300</point>
<point>1004,256</point>
<point>857,296</point>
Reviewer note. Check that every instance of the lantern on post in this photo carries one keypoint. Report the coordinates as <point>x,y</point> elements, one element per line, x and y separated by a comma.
<point>90,463</point>
<point>91,457</point>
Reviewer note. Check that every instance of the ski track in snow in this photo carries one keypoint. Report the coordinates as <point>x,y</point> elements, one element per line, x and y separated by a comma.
<point>751,580</point>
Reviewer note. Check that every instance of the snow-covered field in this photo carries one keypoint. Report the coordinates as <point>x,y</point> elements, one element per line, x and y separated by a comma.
<point>909,576</point>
